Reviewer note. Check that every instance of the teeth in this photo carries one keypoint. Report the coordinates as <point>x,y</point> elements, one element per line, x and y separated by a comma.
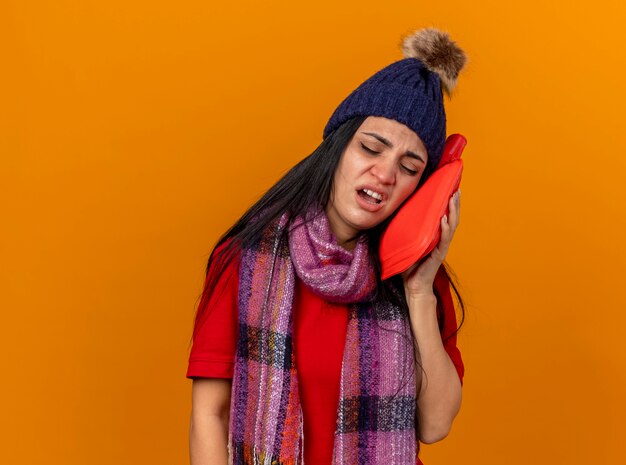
<point>376,195</point>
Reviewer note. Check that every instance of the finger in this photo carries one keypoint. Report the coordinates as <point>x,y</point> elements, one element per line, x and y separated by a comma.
<point>454,211</point>
<point>438,254</point>
<point>458,209</point>
<point>448,223</point>
<point>450,218</point>
<point>445,225</point>
<point>445,231</point>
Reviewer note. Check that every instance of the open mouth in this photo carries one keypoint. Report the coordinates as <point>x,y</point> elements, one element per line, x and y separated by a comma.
<point>370,196</point>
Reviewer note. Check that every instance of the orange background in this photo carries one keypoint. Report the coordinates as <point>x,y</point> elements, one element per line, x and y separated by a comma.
<point>134,133</point>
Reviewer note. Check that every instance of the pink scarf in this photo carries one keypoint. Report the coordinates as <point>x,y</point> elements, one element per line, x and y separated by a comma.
<point>377,406</point>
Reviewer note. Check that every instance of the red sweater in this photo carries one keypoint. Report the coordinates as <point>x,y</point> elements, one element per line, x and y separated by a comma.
<point>319,336</point>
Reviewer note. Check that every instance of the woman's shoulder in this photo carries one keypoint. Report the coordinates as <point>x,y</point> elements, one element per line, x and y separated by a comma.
<point>220,249</point>
<point>224,263</point>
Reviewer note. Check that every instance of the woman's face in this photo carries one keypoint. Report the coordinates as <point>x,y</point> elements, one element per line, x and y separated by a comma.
<point>387,159</point>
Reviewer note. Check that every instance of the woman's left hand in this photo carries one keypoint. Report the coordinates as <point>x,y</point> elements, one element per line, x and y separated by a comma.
<point>419,279</point>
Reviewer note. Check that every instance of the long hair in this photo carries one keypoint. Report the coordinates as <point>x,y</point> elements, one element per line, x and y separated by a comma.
<point>310,183</point>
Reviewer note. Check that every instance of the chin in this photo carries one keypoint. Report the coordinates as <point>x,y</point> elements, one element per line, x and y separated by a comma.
<point>362,224</point>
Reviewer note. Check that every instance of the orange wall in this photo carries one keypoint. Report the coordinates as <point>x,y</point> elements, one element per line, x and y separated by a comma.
<point>133,133</point>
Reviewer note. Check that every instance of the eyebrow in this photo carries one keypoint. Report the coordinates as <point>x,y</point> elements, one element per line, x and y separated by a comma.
<point>388,143</point>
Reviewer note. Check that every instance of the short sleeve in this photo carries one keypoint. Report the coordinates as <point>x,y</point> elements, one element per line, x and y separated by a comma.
<point>215,334</point>
<point>450,323</point>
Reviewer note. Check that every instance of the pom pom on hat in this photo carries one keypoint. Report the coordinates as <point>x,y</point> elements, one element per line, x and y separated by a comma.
<point>410,91</point>
<point>438,52</point>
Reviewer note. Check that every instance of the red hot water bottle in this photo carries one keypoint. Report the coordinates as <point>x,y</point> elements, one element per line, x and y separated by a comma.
<point>416,229</point>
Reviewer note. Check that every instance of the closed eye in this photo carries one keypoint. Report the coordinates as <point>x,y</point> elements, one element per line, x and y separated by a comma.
<point>367,149</point>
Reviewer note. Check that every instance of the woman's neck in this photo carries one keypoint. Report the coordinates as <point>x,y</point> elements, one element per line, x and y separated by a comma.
<point>345,237</point>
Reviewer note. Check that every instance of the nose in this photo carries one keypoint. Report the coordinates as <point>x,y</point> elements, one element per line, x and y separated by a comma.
<point>384,170</point>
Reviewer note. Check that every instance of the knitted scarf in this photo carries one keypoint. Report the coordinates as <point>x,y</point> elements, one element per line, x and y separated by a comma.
<point>377,399</point>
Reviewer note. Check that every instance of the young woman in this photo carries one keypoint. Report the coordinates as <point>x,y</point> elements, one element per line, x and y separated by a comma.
<point>301,352</point>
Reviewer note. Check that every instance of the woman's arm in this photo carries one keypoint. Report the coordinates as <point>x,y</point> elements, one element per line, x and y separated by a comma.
<point>439,399</point>
<point>208,429</point>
